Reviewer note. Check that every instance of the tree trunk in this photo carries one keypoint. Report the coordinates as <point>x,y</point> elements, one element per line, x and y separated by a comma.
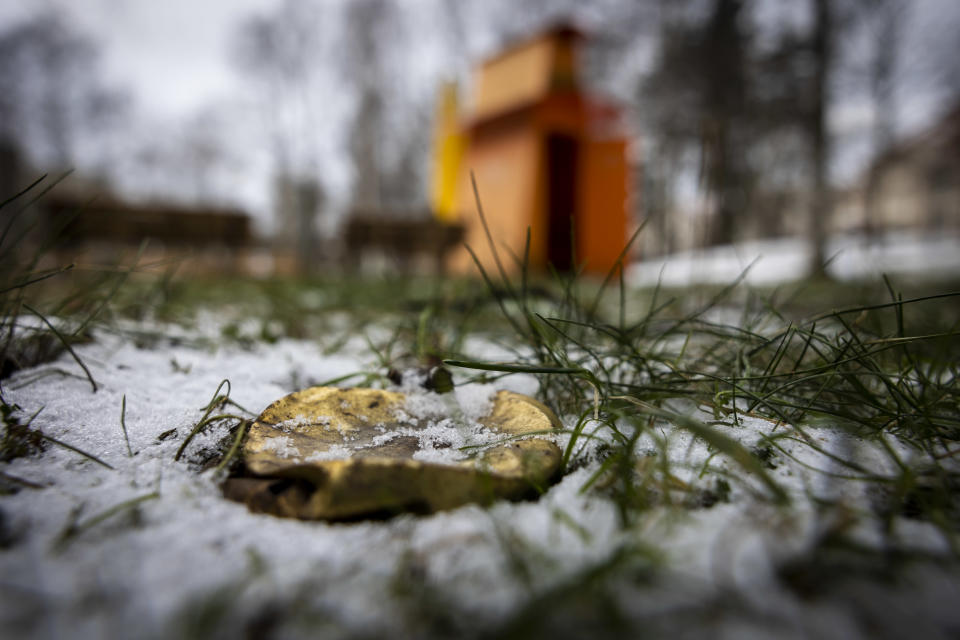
<point>886,41</point>
<point>723,67</point>
<point>819,141</point>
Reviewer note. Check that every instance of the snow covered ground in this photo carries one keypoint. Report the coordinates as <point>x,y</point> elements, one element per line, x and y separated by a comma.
<point>185,562</point>
<point>776,261</point>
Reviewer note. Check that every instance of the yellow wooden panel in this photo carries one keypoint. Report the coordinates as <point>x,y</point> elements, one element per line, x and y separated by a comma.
<point>448,146</point>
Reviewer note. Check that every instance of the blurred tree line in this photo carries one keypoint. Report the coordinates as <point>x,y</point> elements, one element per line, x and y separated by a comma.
<point>53,103</point>
<point>730,99</point>
<point>751,100</point>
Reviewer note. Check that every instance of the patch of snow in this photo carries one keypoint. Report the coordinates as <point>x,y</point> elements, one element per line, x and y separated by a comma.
<point>296,422</point>
<point>475,400</point>
<point>282,446</point>
<point>851,257</point>
<point>333,452</point>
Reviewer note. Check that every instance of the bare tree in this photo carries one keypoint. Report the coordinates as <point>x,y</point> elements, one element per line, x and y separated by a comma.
<point>368,27</point>
<point>52,99</point>
<point>280,51</point>
<point>822,53</point>
<point>725,91</point>
<point>699,95</point>
<point>389,131</point>
<point>885,24</point>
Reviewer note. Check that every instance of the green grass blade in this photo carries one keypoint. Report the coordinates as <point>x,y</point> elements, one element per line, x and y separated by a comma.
<point>513,368</point>
<point>65,343</point>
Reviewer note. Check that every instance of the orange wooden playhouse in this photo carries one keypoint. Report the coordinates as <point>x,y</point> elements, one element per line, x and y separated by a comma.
<point>546,156</point>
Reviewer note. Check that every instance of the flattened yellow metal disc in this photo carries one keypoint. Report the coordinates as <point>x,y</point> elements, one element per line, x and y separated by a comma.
<point>328,453</point>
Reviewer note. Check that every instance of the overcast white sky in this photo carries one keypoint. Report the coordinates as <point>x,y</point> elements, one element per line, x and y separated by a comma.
<point>172,54</point>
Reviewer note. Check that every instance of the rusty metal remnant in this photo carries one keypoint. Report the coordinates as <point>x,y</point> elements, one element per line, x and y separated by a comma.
<point>327,453</point>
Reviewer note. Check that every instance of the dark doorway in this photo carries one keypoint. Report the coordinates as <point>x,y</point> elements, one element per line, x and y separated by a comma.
<point>561,199</point>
